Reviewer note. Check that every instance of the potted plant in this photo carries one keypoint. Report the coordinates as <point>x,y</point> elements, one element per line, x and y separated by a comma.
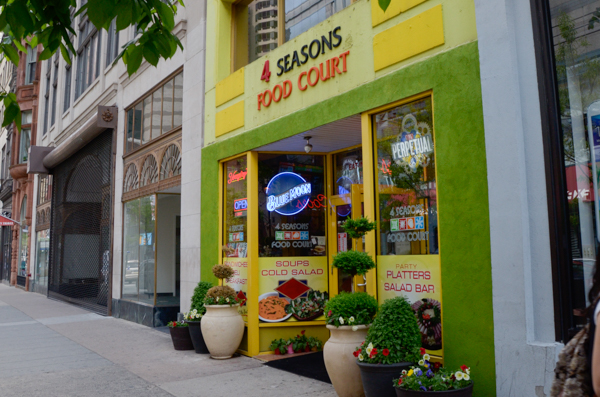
<point>348,317</point>
<point>353,263</point>
<point>279,346</point>
<point>357,228</point>
<point>299,344</point>
<point>393,344</point>
<point>194,316</point>
<point>222,325</point>
<point>180,335</point>
<point>308,308</point>
<point>429,379</point>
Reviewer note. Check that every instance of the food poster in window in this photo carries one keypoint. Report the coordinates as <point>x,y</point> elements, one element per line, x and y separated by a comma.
<point>408,262</point>
<point>293,280</point>
<point>235,238</point>
<point>418,278</point>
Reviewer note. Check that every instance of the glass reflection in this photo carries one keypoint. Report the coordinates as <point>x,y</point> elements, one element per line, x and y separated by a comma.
<point>406,180</point>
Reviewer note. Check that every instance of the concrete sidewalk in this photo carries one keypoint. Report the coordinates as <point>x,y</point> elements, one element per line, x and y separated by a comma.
<point>50,348</point>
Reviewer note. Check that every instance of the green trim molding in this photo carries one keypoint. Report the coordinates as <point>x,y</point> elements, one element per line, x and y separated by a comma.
<point>464,236</point>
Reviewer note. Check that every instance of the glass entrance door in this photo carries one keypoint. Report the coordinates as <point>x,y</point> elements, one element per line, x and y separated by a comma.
<point>346,202</point>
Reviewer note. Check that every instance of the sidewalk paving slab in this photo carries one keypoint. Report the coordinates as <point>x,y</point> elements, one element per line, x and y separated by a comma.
<point>50,348</point>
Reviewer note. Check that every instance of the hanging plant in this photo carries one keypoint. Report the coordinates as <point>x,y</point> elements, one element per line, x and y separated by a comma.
<point>359,227</point>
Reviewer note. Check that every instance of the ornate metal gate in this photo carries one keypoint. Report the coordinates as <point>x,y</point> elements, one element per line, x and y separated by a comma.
<point>80,238</point>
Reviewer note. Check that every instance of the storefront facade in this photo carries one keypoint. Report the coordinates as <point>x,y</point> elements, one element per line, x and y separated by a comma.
<point>364,114</point>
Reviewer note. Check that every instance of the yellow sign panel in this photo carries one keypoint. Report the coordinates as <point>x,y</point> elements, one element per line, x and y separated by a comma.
<point>418,278</point>
<point>285,279</point>
<point>239,281</point>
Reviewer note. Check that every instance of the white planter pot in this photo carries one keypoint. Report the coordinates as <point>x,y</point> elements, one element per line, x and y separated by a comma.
<point>340,361</point>
<point>223,329</point>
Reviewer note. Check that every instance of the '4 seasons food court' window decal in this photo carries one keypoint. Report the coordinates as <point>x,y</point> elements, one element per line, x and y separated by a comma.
<point>408,263</point>
<point>293,283</point>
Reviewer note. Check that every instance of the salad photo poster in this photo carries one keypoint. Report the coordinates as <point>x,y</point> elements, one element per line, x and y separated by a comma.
<point>418,278</point>
<point>292,289</point>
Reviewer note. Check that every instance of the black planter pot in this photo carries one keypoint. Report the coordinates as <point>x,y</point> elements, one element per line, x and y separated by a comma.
<point>197,338</point>
<point>466,392</point>
<point>181,338</point>
<point>378,379</point>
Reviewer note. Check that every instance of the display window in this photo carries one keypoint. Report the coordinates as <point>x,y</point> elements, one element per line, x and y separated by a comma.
<point>408,263</point>
<point>407,210</point>
<point>151,245</point>
<point>292,232</point>
<point>235,249</point>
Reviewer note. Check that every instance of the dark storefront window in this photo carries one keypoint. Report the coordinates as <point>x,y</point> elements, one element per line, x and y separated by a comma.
<point>292,205</point>
<point>576,42</point>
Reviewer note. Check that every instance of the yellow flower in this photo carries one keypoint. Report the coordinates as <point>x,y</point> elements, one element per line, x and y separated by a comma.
<point>411,372</point>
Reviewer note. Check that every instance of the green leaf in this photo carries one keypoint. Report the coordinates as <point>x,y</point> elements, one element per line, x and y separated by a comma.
<point>134,59</point>
<point>21,12</point>
<point>11,52</point>
<point>12,113</point>
<point>65,53</point>
<point>384,4</point>
<point>166,14</point>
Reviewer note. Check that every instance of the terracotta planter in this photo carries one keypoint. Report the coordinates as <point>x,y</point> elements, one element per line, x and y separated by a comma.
<point>181,338</point>
<point>340,361</point>
<point>466,392</point>
<point>378,379</point>
<point>197,338</point>
<point>223,328</point>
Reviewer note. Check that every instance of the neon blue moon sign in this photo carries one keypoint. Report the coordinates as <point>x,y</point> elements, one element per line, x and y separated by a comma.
<point>288,193</point>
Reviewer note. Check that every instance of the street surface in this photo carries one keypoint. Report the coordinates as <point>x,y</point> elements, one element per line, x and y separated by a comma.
<point>49,348</point>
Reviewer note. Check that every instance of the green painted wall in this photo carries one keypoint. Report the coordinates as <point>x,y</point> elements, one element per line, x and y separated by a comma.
<point>462,190</point>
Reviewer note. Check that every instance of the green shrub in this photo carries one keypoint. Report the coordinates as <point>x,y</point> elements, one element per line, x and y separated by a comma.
<point>351,309</point>
<point>359,227</point>
<point>199,295</point>
<point>394,336</point>
<point>353,262</point>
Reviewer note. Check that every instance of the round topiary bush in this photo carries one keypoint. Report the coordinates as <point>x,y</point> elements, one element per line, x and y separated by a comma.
<point>353,262</point>
<point>358,308</point>
<point>199,295</point>
<point>222,271</point>
<point>394,336</point>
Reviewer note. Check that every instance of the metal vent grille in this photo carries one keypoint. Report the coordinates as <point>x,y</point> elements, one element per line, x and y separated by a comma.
<point>80,238</point>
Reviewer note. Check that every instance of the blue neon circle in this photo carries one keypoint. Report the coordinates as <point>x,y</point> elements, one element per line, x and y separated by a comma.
<point>281,183</point>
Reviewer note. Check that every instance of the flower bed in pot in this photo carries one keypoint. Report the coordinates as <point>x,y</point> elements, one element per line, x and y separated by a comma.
<point>348,318</point>
<point>194,317</point>
<point>393,344</point>
<point>222,325</point>
<point>180,335</point>
<point>429,380</point>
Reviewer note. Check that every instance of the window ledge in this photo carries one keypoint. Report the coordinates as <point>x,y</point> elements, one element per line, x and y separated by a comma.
<point>110,67</point>
<point>86,92</point>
